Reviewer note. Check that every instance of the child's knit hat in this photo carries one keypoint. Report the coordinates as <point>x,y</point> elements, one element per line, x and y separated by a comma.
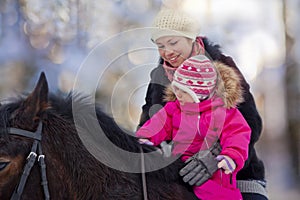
<point>197,76</point>
<point>169,22</point>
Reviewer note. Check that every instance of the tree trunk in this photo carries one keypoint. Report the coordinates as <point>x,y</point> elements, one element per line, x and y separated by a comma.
<point>292,80</point>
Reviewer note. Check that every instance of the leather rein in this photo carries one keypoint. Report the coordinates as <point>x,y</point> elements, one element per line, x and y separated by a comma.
<point>36,151</point>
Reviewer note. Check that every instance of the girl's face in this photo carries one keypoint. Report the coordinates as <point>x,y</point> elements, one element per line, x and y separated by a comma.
<point>174,49</point>
<point>182,96</point>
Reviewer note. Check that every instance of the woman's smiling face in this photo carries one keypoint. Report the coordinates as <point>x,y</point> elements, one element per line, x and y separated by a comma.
<point>174,49</point>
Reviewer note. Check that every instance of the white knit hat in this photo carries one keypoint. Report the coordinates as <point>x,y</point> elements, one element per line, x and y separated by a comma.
<point>170,22</point>
<point>197,76</point>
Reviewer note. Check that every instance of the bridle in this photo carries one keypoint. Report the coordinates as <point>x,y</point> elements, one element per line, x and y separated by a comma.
<point>36,151</point>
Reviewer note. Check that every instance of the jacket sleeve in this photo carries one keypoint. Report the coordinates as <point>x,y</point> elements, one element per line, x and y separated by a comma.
<point>235,137</point>
<point>250,113</point>
<point>254,167</point>
<point>248,107</point>
<point>159,127</point>
<point>154,96</point>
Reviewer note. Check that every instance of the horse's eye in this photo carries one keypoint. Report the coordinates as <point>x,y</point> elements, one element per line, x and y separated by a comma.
<point>3,165</point>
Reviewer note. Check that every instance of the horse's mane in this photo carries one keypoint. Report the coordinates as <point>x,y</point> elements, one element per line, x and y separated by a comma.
<point>64,105</point>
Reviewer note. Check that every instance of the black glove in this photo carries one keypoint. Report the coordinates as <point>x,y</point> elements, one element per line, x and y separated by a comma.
<point>201,166</point>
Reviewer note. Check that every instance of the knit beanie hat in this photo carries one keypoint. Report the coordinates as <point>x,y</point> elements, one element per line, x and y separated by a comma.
<point>197,76</point>
<point>170,22</point>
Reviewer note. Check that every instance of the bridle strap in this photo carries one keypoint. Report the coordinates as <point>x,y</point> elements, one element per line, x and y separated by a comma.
<point>44,183</point>
<point>30,162</point>
<point>36,135</point>
<point>36,148</point>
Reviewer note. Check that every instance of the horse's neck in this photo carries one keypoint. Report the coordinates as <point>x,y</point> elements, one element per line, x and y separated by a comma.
<point>72,166</point>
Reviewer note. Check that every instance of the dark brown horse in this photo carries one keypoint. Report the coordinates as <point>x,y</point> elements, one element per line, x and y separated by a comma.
<point>70,170</point>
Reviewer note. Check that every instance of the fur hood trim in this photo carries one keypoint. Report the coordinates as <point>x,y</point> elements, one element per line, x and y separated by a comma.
<point>228,87</point>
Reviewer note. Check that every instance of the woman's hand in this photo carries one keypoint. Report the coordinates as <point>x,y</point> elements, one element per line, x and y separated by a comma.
<point>226,163</point>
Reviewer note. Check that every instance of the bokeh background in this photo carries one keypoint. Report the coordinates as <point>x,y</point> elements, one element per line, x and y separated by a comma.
<point>102,48</point>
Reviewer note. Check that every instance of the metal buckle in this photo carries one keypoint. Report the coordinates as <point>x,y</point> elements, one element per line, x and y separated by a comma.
<point>41,156</point>
<point>31,154</point>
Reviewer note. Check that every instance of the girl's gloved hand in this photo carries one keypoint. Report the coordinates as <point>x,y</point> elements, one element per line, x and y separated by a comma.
<point>226,163</point>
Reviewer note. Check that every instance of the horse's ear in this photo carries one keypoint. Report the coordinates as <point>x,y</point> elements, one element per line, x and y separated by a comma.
<point>37,100</point>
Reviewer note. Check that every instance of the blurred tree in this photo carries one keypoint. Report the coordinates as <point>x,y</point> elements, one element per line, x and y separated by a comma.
<point>292,88</point>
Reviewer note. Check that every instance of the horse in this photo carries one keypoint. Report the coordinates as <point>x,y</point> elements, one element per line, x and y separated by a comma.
<point>41,124</point>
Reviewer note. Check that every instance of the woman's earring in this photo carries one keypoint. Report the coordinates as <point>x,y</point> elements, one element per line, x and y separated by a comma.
<point>201,51</point>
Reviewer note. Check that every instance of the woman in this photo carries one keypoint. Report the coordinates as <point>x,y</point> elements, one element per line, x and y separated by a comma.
<point>175,35</point>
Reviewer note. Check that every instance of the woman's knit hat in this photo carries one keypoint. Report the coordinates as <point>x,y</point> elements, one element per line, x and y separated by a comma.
<point>170,22</point>
<point>197,76</point>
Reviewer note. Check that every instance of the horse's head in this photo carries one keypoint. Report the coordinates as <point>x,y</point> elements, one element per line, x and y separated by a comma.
<point>23,114</point>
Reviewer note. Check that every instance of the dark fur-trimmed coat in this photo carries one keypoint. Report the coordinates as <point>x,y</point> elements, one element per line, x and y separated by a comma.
<point>253,168</point>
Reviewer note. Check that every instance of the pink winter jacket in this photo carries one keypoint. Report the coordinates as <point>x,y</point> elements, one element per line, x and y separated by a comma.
<point>180,124</point>
<point>187,130</point>
<point>188,125</point>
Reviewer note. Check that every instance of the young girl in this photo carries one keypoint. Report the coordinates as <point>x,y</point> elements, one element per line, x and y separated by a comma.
<point>202,98</point>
